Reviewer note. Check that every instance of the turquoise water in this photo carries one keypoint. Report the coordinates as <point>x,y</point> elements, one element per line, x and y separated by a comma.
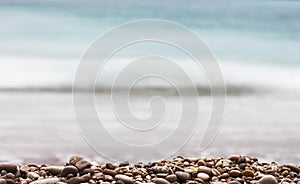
<point>263,34</point>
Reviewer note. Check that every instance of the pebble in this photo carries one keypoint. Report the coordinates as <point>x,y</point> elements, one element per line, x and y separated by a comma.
<point>161,181</point>
<point>234,170</point>
<point>74,159</point>
<point>55,170</point>
<point>182,175</point>
<point>46,181</point>
<point>69,170</point>
<point>82,164</point>
<point>171,178</point>
<point>76,180</point>
<point>268,179</point>
<point>203,176</point>
<point>248,173</point>
<point>32,175</point>
<point>124,178</point>
<point>235,173</point>
<point>9,167</point>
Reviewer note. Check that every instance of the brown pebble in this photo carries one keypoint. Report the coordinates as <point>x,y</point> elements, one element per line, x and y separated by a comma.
<point>110,166</point>
<point>235,173</point>
<point>82,164</point>
<point>74,159</point>
<point>32,175</point>
<point>205,169</point>
<point>234,158</point>
<point>171,178</point>
<point>293,168</point>
<point>10,181</point>
<point>268,179</point>
<point>248,173</point>
<point>9,167</point>
<point>55,170</point>
<point>69,170</point>
<point>124,178</point>
<point>183,175</point>
<point>76,180</point>
<point>109,172</point>
<point>161,181</point>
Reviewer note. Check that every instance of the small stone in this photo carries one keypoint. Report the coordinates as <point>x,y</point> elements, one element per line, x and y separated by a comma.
<point>74,159</point>
<point>46,181</point>
<point>182,175</point>
<point>234,182</point>
<point>10,181</point>
<point>2,181</point>
<point>76,180</point>
<point>203,176</point>
<point>32,175</point>
<point>82,164</point>
<point>110,166</point>
<point>248,173</point>
<point>124,178</point>
<point>268,179</point>
<point>205,169</point>
<point>9,167</point>
<point>171,178</point>
<point>109,172</point>
<point>55,170</point>
<point>69,170</point>
<point>161,181</point>
<point>24,168</point>
<point>9,176</point>
<point>235,173</point>
<point>124,164</point>
<point>234,157</point>
<point>293,168</point>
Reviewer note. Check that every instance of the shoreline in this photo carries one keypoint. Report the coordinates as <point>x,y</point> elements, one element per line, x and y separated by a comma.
<point>235,169</point>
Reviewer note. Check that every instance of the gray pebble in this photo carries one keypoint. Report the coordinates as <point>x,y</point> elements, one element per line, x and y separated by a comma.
<point>55,170</point>
<point>171,178</point>
<point>82,164</point>
<point>32,175</point>
<point>74,159</point>
<point>76,180</point>
<point>268,179</point>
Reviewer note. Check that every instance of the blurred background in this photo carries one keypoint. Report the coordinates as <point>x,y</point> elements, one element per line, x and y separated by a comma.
<point>257,44</point>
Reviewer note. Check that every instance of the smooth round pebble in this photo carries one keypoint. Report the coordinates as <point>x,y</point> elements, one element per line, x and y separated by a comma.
<point>82,164</point>
<point>248,173</point>
<point>76,180</point>
<point>183,175</point>
<point>171,178</point>
<point>268,179</point>
<point>9,167</point>
<point>124,178</point>
<point>161,181</point>
<point>69,170</point>
<point>203,176</point>
<point>235,173</point>
<point>74,159</point>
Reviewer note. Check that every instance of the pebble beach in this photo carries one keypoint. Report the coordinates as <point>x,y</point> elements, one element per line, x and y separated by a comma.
<point>236,169</point>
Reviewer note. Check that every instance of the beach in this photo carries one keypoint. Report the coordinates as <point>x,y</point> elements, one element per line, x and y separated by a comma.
<point>40,127</point>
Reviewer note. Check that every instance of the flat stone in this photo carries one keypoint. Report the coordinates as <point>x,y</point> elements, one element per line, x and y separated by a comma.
<point>183,175</point>
<point>124,178</point>
<point>33,175</point>
<point>76,180</point>
<point>109,172</point>
<point>161,181</point>
<point>203,176</point>
<point>46,181</point>
<point>204,169</point>
<point>55,170</point>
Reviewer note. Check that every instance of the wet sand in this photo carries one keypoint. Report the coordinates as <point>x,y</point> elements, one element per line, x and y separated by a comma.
<point>39,127</point>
